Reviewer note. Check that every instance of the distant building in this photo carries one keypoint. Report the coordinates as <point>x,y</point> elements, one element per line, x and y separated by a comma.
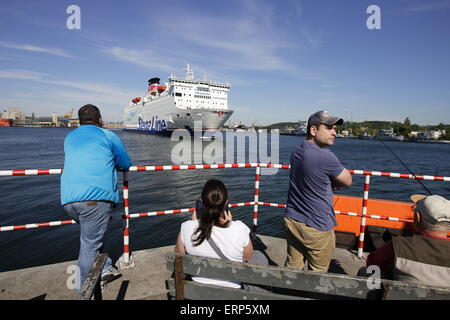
<point>13,113</point>
<point>55,120</point>
<point>435,134</point>
<point>429,135</point>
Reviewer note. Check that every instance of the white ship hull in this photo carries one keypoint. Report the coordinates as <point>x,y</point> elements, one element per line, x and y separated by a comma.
<point>163,118</point>
<point>181,104</point>
<point>389,138</point>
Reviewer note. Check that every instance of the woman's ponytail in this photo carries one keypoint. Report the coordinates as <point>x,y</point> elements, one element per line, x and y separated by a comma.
<point>214,198</point>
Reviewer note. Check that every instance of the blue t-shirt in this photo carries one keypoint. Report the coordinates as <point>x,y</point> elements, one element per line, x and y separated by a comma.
<point>310,197</point>
<point>92,155</point>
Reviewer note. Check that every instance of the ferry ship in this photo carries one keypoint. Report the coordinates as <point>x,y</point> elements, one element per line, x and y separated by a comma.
<point>6,122</point>
<point>177,105</point>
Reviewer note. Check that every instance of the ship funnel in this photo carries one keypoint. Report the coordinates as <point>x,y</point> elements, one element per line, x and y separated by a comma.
<point>153,85</point>
<point>154,80</point>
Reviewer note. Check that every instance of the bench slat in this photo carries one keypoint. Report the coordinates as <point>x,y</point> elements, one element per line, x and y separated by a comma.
<point>400,291</point>
<point>91,284</point>
<point>319,284</point>
<point>199,291</point>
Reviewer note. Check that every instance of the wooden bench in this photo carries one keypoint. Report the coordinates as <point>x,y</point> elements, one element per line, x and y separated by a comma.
<point>285,283</point>
<point>91,286</point>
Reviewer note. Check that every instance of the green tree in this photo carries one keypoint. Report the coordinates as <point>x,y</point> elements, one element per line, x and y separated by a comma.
<point>407,122</point>
<point>405,128</point>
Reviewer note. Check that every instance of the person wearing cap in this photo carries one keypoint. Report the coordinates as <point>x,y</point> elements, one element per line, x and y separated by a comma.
<point>424,257</point>
<point>309,216</point>
<point>89,188</point>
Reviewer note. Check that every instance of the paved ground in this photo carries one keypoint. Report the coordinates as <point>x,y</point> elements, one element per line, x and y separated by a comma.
<point>146,280</point>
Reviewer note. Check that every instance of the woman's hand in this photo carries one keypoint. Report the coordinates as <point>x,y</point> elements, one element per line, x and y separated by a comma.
<point>226,218</point>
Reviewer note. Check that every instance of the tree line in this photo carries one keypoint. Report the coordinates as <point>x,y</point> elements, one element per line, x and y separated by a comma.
<point>405,128</point>
<point>373,127</point>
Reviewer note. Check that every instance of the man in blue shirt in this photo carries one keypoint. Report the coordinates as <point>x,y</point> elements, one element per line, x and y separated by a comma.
<point>89,189</point>
<point>309,217</point>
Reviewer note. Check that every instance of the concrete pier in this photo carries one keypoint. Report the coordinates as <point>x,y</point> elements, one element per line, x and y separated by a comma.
<point>145,281</point>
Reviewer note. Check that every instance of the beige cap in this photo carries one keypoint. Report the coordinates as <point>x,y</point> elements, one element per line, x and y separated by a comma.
<point>435,209</point>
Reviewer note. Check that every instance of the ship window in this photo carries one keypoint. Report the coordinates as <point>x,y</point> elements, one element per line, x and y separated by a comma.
<point>178,94</point>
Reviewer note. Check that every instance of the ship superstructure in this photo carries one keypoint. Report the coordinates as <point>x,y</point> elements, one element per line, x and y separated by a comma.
<point>178,104</point>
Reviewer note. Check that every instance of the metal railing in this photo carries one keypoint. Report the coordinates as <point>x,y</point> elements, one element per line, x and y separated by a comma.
<point>255,203</point>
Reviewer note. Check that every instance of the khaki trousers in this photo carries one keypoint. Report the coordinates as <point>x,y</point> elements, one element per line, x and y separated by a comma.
<point>308,244</point>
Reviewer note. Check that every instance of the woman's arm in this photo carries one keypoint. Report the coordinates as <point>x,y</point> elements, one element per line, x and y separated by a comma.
<point>248,251</point>
<point>179,246</point>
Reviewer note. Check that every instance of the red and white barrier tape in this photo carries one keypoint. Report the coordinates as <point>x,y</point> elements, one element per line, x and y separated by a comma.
<point>227,165</point>
<point>208,166</point>
<point>255,203</point>
<point>37,225</point>
<point>362,229</point>
<point>158,213</point>
<point>155,213</point>
<point>126,234</point>
<point>400,175</point>
<point>29,172</point>
<point>373,216</point>
<point>256,198</point>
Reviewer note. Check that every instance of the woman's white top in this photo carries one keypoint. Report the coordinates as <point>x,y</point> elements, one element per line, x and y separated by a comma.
<point>231,241</point>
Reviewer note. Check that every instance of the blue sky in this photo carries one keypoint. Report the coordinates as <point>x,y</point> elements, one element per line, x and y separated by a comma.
<point>284,59</point>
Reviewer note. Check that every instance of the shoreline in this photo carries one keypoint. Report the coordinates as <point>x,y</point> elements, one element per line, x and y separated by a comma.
<point>371,139</point>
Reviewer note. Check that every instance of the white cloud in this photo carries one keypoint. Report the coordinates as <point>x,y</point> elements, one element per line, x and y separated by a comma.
<point>22,74</point>
<point>430,6</point>
<point>46,78</point>
<point>312,38</point>
<point>47,100</point>
<point>253,38</point>
<point>243,43</point>
<point>32,48</point>
<point>144,57</point>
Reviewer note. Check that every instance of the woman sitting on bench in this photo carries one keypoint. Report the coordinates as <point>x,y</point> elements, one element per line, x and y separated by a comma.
<point>215,235</point>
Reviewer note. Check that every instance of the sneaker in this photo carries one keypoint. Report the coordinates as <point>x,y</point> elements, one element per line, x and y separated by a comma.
<point>102,288</point>
<point>110,275</point>
<point>103,285</point>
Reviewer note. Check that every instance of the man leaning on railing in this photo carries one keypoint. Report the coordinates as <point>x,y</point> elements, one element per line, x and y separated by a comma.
<point>89,189</point>
<point>315,173</point>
